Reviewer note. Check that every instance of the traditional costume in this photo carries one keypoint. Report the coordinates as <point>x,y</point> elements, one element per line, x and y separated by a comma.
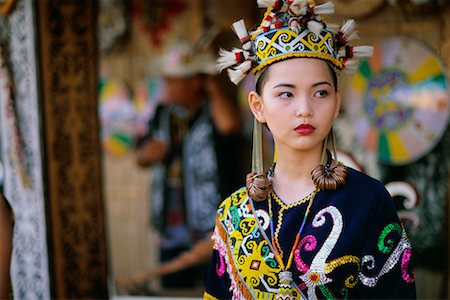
<point>342,241</point>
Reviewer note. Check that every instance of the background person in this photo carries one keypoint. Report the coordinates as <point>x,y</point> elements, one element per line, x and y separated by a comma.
<point>193,148</point>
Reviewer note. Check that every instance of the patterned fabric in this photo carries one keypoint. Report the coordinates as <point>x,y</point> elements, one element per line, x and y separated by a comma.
<point>352,246</point>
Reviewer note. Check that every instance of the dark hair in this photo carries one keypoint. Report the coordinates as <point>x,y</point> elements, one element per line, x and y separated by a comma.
<point>261,79</point>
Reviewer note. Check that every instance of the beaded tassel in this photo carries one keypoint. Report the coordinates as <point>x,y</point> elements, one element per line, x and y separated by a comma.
<point>285,290</point>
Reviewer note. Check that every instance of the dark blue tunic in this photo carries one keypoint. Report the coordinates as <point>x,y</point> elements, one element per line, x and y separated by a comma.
<point>353,246</point>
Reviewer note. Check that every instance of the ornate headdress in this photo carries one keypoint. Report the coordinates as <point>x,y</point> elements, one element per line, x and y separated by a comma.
<point>289,29</point>
<point>292,28</point>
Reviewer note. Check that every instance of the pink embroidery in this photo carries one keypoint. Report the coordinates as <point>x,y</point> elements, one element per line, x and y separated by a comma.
<point>310,244</point>
<point>220,270</point>
<point>408,277</point>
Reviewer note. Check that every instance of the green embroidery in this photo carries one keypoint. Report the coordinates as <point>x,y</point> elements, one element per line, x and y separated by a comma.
<point>265,251</point>
<point>271,262</point>
<point>386,245</point>
<point>235,216</point>
<point>326,292</point>
<point>344,293</point>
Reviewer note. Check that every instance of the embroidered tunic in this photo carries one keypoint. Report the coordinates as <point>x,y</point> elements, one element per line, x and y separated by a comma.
<point>352,246</point>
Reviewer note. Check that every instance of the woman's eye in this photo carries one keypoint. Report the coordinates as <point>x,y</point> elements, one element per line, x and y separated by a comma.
<point>321,93</point>
<point>285,95</point>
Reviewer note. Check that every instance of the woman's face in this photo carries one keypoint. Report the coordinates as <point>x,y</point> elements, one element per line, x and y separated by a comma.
<point>298,102</point>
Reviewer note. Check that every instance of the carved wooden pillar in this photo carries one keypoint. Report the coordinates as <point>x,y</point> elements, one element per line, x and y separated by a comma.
<point>69,76</point>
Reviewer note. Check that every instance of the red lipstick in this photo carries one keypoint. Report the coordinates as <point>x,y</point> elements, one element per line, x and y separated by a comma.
<point>305,129</point>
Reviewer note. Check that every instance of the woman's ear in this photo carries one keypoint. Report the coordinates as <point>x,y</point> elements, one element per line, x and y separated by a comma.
<point>338,104</point>
<point>256,106</point>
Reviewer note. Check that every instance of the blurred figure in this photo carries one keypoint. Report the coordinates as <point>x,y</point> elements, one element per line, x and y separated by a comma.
<point>194,148</point>
<point>6,227</point>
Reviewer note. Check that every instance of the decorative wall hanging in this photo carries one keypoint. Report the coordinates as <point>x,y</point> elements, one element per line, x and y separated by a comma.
<point>397,106</point>
<point>399,101</point>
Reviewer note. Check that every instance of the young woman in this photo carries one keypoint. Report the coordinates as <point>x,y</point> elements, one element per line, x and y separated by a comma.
<point>314,229</point>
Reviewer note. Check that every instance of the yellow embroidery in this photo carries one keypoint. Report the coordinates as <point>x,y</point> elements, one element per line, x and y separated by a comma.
<point>351,280</point>
<point>254,267</point>
<point>207,296</point>
<point>347,259</point>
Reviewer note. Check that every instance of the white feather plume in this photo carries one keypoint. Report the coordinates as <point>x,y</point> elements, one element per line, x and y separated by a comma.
<point>315,27</point>
<point>349,30</point>
<point>266,3</point>
<point>226,59</point>
<point>238,73</point>
<point>351,66</point>
<point>362,51</point>
<point>240,29</point>
<point>357,51</point>
<point>333,27</point>
<point>324,9</point>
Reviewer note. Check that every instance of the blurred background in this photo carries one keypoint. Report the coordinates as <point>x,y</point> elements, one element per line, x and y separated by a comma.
<point>79,81</point>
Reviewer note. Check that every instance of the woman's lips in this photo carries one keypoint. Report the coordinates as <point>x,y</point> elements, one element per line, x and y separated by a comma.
<point>304,129</point>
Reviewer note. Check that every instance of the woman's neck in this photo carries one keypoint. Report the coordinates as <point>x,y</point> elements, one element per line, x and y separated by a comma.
<point>292,175</point>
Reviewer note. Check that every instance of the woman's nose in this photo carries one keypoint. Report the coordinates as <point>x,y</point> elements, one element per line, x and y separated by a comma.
<point>303,108</point>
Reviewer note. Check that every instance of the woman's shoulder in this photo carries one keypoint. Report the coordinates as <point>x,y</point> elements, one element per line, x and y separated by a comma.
<point>235,198</point>
<point>358,180</point>
<point>365,192</point>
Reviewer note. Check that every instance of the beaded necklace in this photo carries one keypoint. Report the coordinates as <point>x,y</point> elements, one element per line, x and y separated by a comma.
<point>285,290</point>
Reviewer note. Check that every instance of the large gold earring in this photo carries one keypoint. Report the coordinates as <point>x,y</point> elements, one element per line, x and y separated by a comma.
<point>257,183</point>
<point>330,174</point>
